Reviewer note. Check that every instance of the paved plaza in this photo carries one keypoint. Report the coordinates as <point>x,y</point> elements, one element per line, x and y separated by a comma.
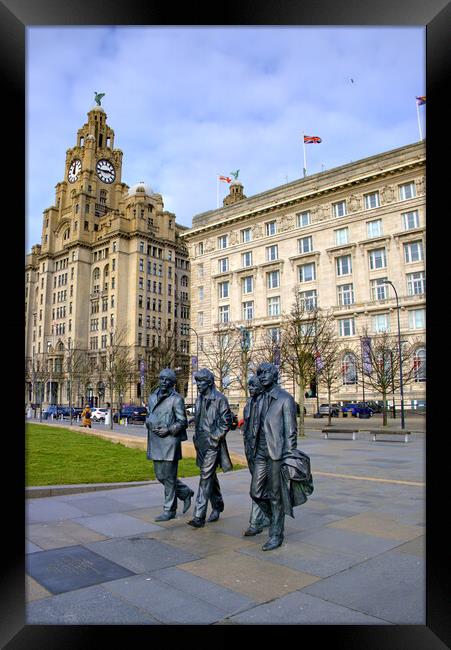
<point>353,555</point>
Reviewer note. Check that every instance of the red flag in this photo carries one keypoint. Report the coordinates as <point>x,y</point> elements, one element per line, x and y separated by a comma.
<point>312,139</point>
<point>226,179</point>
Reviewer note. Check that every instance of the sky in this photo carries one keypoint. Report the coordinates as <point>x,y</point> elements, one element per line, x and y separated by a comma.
<point>189,103</point>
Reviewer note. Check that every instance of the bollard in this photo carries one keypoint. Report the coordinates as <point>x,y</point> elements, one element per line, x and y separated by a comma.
<point>126,422</point>
<point>51,416</point>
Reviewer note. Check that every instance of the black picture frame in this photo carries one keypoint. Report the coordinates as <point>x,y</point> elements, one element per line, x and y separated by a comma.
<point>435,16</point>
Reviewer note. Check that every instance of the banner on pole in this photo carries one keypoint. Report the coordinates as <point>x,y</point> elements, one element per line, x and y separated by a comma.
<point>367,365</point>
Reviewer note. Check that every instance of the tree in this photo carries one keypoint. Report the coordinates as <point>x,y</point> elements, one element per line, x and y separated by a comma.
<point>223,353</point>
<point>379,364</point>
<point>304,332</point>
<point>163,354</point>
<point>328,362</point>
<point>119,366</point>
<point>38,374</point>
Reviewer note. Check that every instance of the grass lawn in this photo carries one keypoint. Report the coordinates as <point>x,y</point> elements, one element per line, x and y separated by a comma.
<point>57,456</point>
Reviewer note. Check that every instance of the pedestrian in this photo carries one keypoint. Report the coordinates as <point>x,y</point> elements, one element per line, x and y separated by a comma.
<point>213,420</point>
<point>166,429</point>
<point>86,417</point>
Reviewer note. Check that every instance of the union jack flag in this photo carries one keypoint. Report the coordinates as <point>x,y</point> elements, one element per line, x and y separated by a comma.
<point>421,100</point>
<point>312,139</point>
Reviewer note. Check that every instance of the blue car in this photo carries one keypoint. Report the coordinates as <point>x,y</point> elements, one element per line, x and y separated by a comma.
<point>361,410</point>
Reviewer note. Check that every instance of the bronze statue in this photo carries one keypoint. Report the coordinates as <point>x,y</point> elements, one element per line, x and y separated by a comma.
<point>213,420</point>
<point>166,428</point>
<point>98,97</point>
<point>276,431</point>
<point>257,520</point>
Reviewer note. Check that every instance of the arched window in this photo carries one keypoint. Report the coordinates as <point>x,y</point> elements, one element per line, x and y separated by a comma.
<point>96,274</point>
<point>66,234</point>
<point>349,369</point>
<point>419,364</point>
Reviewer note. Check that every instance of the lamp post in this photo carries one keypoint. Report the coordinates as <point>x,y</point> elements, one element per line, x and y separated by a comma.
<point>400,356</point>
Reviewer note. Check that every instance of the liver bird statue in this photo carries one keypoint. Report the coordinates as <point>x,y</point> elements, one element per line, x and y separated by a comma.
<point>98,97</point>
<point>235,174</point>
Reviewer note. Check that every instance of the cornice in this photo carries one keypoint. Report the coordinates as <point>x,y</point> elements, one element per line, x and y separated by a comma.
<point>298,200</point>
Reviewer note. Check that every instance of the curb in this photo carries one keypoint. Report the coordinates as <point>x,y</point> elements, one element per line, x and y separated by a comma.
<point>58,490</point>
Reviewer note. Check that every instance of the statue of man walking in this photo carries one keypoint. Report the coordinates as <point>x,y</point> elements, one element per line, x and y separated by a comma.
<point>166,429</point>
<point>276,432</point>
<point>212,421</point>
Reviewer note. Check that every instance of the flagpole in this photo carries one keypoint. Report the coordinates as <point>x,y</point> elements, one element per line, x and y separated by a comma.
<point>217,191</point>
<point>305,156</point>
<point>419,123</point>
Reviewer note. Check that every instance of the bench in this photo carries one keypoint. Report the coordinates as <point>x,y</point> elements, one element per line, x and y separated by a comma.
<point>390,432</point>
<point>329,431</point>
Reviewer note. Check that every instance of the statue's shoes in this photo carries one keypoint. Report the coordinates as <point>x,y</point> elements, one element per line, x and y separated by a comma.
<point>187,502</point>
<point>273,542</point>
<point>252,531</point>
<point>214,516</point>
<point>165,516</point>
<point>196,522</point>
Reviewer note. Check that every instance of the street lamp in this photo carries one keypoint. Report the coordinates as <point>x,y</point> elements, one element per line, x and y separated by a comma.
<point>400,356</point>
<point>197,366</point>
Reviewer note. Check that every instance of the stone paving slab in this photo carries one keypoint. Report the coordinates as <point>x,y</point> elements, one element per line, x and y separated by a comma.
<point>117,525</point>
<point>299,608</point>
<point>61,533</point>
<point>203,542</point>
<point>163,602</point>
<point>35,591</point>
<point>47,509</point>
<point>89,606</point>
<point>99,505</point>
<point>379,525</point>
<point>386,586</point>
<point>71,568</point>
<point>255,578</point>
<point>141,554</point>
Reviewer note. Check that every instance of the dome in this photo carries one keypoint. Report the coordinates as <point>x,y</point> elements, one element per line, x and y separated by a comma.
<point>140,188</point>
<point>236,182</point>
<point>98,108</point>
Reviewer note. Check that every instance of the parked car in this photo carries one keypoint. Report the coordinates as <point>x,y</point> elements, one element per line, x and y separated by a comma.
<point>361,410</point>
<point>98,414</point>
<point>347,407</point>
<point>132,413</point>
<point>376,407</point>
<point>333,409</point>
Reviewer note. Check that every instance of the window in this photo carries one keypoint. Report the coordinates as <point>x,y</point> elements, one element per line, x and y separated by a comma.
<point>223,241</point>
<point>223,289</point>
<point>416,283</point>
<point>305,245</point>
<point>379,290</point>
<point>247,284</point>
<point>303,219</point>
<point>413,251</point>
<point>341,236</point>
<point>371,200</point>
<point>308,299</point>
<point>200,248</point>
<point>246,259</point>
<point>410,220</point>
<point>223,265</point>
<point>246,235</point>
<point>307,272</point>
<point>201,294</point>
<point>274,306</point>
<point>344,265</point>
<point>381,323</point>
<point>407,191</point>
<point>349,369</point>
<point>248,310</point>
<point>273,280</point>
<point>274,334</point>
<point>141,264</point>
<point>417,319</point>
<point>271,228</point>
<point>377,258</point>
<point>224,313</point>
<point>419,365</point>
<point>374,228</point>
<point>346,327</point>
<point>339,209</point>
<point>345,294</point>
<point>272,253</point>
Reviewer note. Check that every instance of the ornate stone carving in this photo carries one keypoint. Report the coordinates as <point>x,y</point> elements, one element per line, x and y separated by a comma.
<point>387,194</point>
<point>421,185</point>
<point>320,212</point>
<point>233,238</point>
<point>286,223</point>
<point>257,231</point>
<point>209,245</point>
<point>354,203</point>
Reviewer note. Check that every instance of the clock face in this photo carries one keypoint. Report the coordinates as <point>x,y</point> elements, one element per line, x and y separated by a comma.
<point>74,170</point>
<point>105,171</point>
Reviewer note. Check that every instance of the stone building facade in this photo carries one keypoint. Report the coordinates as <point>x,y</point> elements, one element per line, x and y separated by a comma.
<point>111,260</point>
<point>335,237</point>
